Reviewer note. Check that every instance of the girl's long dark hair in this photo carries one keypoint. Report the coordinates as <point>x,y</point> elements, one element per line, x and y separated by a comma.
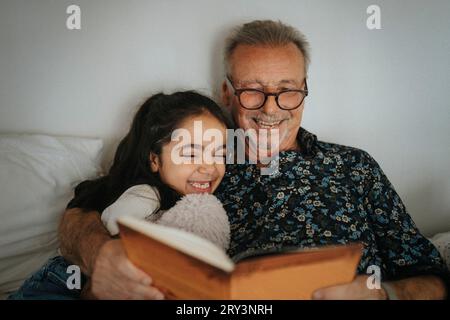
<point>151,129</point>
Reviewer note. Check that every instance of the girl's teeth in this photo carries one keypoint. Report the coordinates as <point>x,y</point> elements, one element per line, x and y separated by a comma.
<point>201,185</point>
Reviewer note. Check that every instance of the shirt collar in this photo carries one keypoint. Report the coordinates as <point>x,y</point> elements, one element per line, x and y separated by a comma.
<point>307,142</point>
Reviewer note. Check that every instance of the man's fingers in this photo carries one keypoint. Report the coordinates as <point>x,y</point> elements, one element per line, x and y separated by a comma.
<point>116,277</point>
<point>135,274</point>
<point>147,293</point>
<point>330,293</point>
<point>141,283</point>
<point>143,290</point>
<point>357,289</point>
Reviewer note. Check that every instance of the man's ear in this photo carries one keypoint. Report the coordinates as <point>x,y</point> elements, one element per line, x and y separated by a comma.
<point>154,162</point>
<point>225,95</point>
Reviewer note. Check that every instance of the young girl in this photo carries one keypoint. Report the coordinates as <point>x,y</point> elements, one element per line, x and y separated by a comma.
<point>152,169</point>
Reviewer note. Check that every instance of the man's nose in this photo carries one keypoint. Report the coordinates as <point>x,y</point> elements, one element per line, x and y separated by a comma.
<point>270,106</point>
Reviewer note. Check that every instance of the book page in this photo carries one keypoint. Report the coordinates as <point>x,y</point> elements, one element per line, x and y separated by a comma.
<point>183,241</point>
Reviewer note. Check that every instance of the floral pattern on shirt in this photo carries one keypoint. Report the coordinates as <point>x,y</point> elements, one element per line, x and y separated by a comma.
<point>326,194</point>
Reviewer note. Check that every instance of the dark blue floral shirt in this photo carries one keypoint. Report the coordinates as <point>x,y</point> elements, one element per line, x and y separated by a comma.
<point>326,194</point>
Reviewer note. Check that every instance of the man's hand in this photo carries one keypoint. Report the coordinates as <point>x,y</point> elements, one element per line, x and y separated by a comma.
<point>420,287</point>
<point>85,242</point>
<point>115,277</point>
<point>355,290</point>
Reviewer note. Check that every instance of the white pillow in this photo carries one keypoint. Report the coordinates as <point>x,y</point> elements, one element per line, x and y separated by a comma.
<point>442,242</point>
<point>37,177</point>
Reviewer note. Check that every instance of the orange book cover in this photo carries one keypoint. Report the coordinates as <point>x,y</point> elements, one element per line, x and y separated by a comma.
<point>185,266</point>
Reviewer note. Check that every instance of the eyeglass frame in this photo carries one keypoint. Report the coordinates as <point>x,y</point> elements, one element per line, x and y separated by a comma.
<point>238,92</point>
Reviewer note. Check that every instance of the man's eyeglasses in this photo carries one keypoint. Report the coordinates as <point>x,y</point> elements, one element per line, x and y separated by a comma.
<point>253,99</point>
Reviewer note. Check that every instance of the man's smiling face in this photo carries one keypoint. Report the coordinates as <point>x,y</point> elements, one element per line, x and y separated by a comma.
<point>271,69</point>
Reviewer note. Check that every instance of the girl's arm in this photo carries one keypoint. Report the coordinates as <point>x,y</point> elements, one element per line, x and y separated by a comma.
<point>140,201</point>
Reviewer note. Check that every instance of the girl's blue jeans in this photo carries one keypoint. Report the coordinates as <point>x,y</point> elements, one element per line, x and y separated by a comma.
<point>50,283</point>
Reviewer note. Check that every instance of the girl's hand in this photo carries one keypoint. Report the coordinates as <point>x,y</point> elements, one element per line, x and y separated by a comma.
<point>115,277</point>
<point>355,290</point>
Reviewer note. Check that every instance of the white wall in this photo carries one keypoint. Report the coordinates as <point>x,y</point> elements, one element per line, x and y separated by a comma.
<point>386,91</point>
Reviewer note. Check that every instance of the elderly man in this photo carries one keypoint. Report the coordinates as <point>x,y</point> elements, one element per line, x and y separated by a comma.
<point>323,193</point>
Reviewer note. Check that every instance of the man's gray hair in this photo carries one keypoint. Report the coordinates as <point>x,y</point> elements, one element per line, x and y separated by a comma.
<point>266,33</point>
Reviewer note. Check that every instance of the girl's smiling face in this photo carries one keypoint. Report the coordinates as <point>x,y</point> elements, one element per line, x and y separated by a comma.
<point>202,164</point>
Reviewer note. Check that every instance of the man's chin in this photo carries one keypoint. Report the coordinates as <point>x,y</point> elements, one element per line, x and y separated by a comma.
<point>262,155</point>
<point>269,147</point>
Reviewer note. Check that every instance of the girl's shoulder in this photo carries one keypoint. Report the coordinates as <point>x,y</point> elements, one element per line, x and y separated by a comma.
<point>141,191</point>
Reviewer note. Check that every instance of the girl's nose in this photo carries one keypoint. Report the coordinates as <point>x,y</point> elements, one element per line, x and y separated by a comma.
<point>207,168</point>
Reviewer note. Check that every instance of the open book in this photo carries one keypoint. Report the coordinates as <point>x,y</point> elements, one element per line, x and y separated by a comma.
<point>185,266</point>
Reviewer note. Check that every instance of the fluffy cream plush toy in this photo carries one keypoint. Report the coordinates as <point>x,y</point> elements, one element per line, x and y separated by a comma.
<point>201,214</point>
